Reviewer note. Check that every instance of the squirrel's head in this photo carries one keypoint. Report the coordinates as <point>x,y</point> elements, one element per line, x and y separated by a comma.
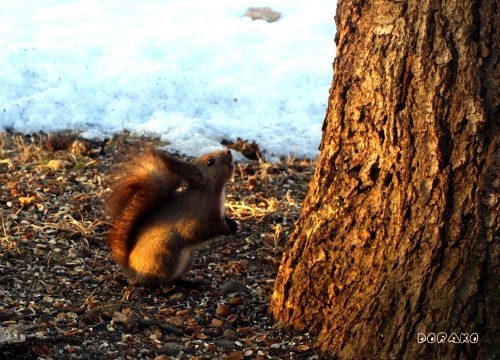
<point>216,168</point>
<point>211,171</point>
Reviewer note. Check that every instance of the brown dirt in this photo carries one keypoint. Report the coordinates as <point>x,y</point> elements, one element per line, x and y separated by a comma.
<point>62,296</point>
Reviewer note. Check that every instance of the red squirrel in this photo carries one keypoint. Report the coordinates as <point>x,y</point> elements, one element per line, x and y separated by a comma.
<point>162,208</point>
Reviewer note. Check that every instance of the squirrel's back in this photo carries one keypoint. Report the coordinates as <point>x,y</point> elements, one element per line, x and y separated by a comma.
<point>140,186</point>
<point>161,208</point>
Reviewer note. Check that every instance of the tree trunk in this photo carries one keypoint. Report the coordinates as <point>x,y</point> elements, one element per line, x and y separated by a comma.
<point>399,235</point>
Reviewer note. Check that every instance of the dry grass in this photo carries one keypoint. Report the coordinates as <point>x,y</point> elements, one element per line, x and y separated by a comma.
<point>65,298</point>
<point>5,240</point>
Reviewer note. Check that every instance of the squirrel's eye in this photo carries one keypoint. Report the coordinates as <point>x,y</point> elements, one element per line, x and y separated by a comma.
<point>211,162</point>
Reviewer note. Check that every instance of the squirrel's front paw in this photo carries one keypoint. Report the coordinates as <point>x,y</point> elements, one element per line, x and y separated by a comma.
<point>233,226</point>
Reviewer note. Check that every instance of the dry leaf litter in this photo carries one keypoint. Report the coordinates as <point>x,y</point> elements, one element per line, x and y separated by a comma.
<point>62,296</point>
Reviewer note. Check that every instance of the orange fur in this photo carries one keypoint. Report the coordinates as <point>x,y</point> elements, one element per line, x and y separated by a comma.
<point>140,187</point>
<point>155,225</point>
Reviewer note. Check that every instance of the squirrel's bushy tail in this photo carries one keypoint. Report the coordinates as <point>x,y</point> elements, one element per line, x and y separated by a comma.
<point>139,187</point>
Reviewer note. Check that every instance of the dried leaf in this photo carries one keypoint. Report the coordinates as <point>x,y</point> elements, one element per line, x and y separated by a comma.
<point>26,200</point>
<point>59,278</point>
<point>43,351</point>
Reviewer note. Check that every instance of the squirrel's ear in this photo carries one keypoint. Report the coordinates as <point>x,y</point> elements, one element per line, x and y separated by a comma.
<point>184,169</point>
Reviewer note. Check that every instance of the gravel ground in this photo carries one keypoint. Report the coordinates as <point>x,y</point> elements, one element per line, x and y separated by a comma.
<point>62,296</point>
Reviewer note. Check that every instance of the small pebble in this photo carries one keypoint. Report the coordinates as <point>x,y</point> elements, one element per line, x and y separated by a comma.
<point>172,348</point>
<point>230,287</point>
<point>235,301</point>
<point>227,344</point>
<point>217,322</point>
<point>243,330</point>
<point>223,310</point>
<point>177,297</point>
<point>230,334</point>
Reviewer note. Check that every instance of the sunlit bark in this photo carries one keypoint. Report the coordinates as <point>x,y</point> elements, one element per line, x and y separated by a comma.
<point>399,234</point>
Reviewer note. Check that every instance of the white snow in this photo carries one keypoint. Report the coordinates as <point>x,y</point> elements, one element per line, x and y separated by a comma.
<point>192,72</point>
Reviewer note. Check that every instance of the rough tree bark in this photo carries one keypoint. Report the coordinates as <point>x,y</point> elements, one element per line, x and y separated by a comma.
<point>399,234</point>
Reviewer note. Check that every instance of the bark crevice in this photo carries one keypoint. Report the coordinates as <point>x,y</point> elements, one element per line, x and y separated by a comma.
<point>400,229</point>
